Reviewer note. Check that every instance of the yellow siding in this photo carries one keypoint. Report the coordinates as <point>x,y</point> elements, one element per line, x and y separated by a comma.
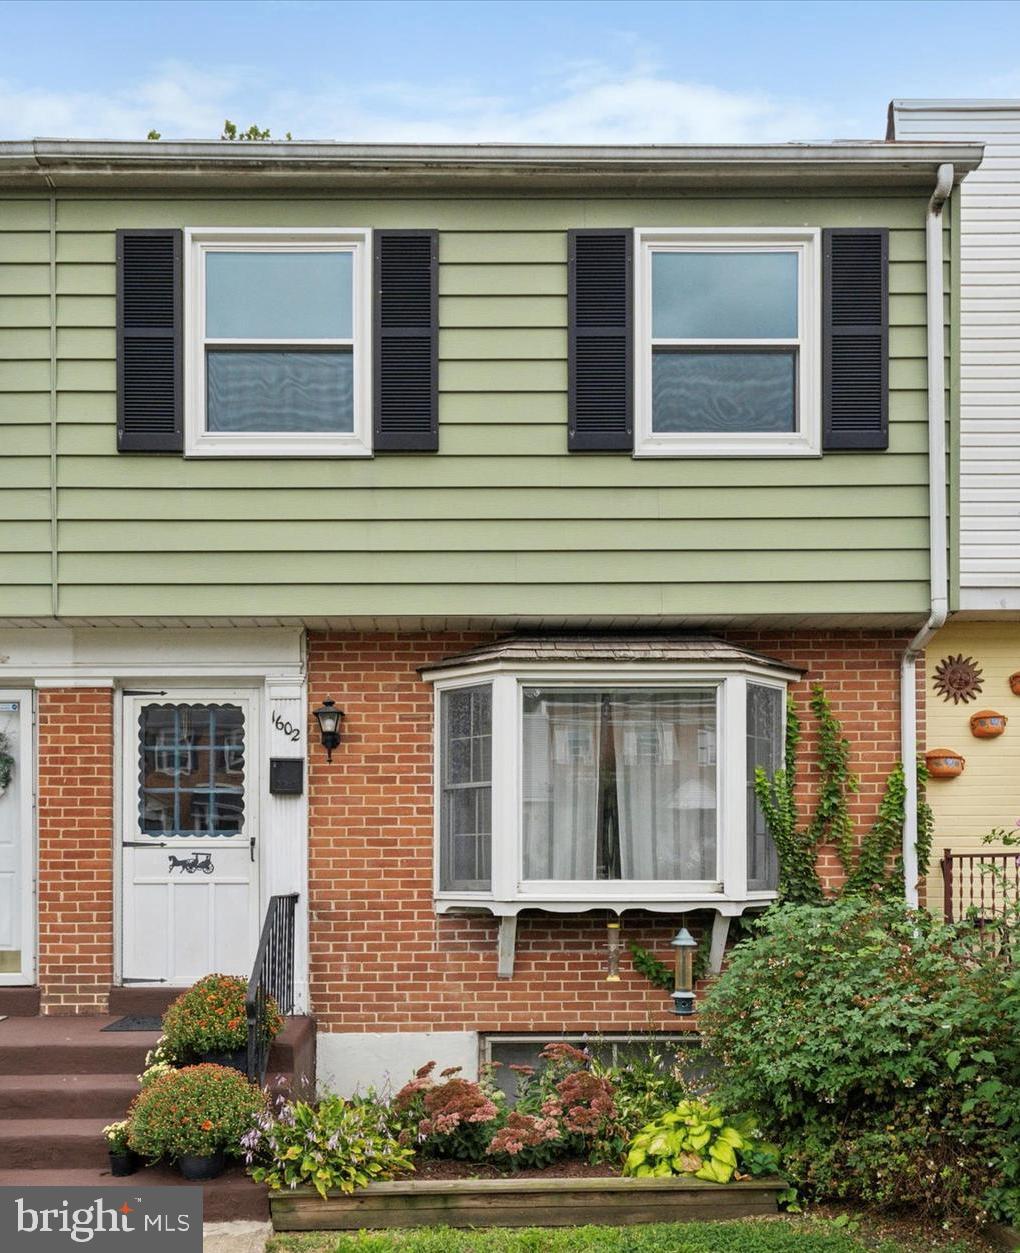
<point>987,794</point>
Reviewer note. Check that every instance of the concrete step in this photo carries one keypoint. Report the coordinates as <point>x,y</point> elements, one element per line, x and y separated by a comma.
<point>19,1002</point>
<point>293,1053</point>
<point>80,1046</point>
<point>142,1001</point>
<point>41,1144</point>
<point>231,1197</point>
<point>50,1097</point>
<point>71,1046</point>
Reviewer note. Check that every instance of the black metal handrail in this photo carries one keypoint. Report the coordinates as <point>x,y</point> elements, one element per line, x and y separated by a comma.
<point>272,976</point>
<point>979,886</point>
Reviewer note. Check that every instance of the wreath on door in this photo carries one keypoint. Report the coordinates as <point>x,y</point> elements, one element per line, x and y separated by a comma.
<point>6,762</point>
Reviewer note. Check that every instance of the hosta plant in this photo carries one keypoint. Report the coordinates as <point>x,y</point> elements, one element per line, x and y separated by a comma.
<point>697,1139</point>
<point>336,1145</point>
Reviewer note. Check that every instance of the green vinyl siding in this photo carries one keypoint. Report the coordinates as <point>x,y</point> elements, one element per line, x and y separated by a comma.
<point>502,521</point>
<point>26,500</point>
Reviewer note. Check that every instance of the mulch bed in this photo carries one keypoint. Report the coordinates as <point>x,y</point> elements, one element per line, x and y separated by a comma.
<point>434,1168</point>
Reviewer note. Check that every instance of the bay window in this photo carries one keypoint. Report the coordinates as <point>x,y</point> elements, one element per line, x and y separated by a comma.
<point>624,784</point>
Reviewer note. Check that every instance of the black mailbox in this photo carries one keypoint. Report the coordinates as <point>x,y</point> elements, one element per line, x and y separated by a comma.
<point>286,776</point>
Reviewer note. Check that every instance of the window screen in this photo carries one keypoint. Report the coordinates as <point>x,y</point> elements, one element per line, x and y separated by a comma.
<point>191,770</point>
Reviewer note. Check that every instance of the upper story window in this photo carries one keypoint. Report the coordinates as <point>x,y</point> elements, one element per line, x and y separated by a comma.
<point>578,782</point>
<point>727,343</point>
<point>278,343</point>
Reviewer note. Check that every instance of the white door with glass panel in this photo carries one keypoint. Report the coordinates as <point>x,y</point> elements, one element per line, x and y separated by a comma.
<point>190,836</point>
<point>17,918</point>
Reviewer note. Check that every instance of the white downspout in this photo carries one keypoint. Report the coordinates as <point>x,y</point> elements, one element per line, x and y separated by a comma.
<point>937,523</point>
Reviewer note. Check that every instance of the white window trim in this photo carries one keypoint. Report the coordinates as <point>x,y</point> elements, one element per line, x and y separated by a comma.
<point>198,442</point>
<point>806,441</point>
<point>510,893</point>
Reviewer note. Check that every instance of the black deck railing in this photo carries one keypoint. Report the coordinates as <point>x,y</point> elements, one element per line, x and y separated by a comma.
<point>979,886</point>
<point>271,976</point>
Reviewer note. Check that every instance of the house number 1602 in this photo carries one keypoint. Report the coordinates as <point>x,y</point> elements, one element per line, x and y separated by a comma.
<point>292,732</point>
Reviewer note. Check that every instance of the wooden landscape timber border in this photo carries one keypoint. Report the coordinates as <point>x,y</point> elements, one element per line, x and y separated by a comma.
<point>522,1203</point>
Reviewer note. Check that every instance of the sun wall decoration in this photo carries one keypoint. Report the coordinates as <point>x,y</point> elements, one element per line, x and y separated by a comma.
<point>958,679</point>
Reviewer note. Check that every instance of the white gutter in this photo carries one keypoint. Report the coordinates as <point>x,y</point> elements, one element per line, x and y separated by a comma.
<point>937,524</point>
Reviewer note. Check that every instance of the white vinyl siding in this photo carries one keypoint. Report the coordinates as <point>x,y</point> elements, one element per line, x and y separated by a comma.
<point>989,343</point>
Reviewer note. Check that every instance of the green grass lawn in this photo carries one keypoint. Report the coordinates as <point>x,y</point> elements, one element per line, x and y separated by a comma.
<point>785,1235</point>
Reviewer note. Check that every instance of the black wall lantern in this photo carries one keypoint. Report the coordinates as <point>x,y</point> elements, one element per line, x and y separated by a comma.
<point>683,989</point>
<point>330,719</point>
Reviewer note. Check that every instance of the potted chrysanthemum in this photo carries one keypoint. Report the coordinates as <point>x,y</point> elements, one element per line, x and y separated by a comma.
<point>208,1023</point>
<point>195,1117</point>
<point>123,1160</point>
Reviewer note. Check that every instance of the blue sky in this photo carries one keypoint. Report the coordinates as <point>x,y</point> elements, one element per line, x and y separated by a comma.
<point>532,70</point>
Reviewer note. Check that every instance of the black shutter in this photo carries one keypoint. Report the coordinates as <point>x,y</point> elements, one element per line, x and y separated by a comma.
<point>855,339</point>
<point>149,356</point>
<point>406,352</point>
<point>600,402</point>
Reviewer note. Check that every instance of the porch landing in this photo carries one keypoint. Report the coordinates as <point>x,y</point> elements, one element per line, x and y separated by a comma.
<point>62,1079</point>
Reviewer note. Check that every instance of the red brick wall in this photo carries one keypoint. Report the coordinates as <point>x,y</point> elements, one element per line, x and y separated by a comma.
<point>75,820</point>
<point>380,958</point>
<point>860,673</point>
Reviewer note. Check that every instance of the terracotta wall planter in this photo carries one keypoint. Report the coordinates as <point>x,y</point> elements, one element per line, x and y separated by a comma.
<point>522,1203</point>
<point>1014,683</point>
<point>986,724</point>
<point>944,763</point>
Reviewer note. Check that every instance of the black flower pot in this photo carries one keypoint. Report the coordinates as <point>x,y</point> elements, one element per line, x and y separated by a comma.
<point>237,1060</point>
<point>199,1168</point>
<point>125,1163</point>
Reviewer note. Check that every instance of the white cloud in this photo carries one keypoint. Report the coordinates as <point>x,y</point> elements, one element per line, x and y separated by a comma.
<point>185,100</point>
<point>585,104</point>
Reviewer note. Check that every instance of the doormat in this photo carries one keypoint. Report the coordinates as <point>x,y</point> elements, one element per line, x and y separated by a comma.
<point>136,1022</point>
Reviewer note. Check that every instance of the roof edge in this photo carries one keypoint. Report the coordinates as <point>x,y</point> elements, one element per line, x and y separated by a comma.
<point>529,650</point>
<point>83,160</point>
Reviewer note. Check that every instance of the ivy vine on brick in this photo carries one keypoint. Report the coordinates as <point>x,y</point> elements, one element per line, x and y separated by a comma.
<point>873,866</point>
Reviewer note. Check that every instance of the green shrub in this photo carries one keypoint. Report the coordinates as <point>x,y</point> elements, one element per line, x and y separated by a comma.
<point>696,1139</point>
<point>336,1145</point>
<point>210,1018</point>
<point>195,1111</point>
<point>878,1046</point>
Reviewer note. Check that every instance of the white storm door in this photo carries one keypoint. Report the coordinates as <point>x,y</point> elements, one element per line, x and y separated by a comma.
<point>190,897</point>
<point>17,914</point>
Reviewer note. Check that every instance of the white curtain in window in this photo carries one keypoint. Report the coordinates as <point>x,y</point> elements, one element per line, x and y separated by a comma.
<point>666,789</point>
<point>561,785</point>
